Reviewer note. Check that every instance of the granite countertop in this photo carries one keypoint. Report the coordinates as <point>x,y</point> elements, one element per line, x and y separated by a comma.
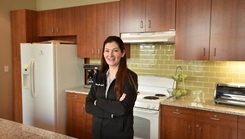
<point>79,90</point>
<point>202,101</point>
<point>14,130</point>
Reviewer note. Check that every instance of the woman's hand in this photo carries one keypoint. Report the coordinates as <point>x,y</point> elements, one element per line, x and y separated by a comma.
<point>122,97</point>
<point>95,102</point>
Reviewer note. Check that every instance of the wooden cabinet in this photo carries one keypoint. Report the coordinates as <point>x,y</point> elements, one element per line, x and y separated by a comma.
<point>241,127</point>
<point>227,30</point>
<point>94,23</point>
<point>78,121</point>
<point>192,29</point>
<point>187,123</point>
<point>213,125</point>
<point>210,30</point>
<point>23,26</point>
<point>177,123</point>
<point>59,22</point>
<point>85,24</point>
<point>147,15</point>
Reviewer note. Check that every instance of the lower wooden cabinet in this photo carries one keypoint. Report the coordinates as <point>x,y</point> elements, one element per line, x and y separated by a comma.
<point>187,123</point>
<point>177,123</point>
<point>78,121</point>
<point>241,127</point>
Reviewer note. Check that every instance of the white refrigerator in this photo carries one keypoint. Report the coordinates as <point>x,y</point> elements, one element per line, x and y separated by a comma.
<point>47,71</point>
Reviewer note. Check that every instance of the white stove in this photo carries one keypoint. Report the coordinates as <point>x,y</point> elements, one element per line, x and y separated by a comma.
<point>152,91</point>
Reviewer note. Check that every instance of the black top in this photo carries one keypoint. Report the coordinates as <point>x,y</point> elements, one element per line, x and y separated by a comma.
<point>112,119</point>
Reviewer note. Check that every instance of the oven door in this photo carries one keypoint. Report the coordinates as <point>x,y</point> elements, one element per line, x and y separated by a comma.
<point>146,124</point>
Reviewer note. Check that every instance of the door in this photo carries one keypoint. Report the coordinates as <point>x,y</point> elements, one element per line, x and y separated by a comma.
<point>160,15</point>
<point>192,29</point>
<point>44,87</point>
<point>227,30</point>
<point>132,16</point>
<point>27,97</point>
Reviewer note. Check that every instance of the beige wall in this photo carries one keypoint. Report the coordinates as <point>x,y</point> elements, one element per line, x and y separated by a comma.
<point>6,81</point>
<point>55,4</point>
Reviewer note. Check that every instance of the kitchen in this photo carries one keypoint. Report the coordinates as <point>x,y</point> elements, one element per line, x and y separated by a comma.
<point>202,75</point>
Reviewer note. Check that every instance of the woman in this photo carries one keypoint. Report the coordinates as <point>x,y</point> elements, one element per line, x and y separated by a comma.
<point>112,96</point>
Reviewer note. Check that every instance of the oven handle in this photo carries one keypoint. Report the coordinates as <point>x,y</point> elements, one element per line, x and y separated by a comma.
<point>153,112</point>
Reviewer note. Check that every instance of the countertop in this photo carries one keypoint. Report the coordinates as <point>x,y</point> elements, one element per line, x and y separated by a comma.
<point>202,101</point>
<point>194,100</point>
<point>14,130</point>
<point>79,90</point>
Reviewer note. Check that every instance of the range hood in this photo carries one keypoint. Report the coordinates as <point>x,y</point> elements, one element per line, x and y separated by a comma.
<point>166,36</point>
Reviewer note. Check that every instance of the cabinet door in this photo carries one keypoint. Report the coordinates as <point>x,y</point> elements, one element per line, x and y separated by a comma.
<point>107,23</point>
<point>212,125</point>
<point>177,123</point>
<point>46,23</point>
<point>76,115</point>
<point>86,30</point>
<point>132,16</point>
<point>192,29</point>
<point>241,127</point>
<point>227,30</point>
<point>160,15</point>
<point>64,22</point>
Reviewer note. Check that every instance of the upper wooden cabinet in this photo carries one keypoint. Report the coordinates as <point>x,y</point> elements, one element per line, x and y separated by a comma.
<point>59,22</point>
<point>94,23</point>
<point>227,30</point>
<point>85,24</point>
<point>147,15</point>
<point>210,30</point>
<point>192,29</point>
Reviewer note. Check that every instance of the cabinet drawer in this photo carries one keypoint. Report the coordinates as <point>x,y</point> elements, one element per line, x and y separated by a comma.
<point>76,97</point>
<point>215,117</point>
<point>172,111</point>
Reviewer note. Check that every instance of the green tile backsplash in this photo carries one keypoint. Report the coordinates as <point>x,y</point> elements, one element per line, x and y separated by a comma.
<point>158,60</point>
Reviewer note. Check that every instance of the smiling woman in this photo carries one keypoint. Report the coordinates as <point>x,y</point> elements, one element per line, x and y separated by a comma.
<point>112,95</point>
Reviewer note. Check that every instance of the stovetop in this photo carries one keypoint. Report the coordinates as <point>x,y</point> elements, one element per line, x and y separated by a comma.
<point>152,91</point>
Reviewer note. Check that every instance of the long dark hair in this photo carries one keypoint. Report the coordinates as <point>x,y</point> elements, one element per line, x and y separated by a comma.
<point>122,72</point>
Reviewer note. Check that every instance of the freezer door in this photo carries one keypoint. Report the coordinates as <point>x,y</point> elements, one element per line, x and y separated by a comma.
<point>27,98</point>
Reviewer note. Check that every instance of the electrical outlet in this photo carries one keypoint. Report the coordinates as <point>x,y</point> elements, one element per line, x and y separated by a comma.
<point>6,68</point>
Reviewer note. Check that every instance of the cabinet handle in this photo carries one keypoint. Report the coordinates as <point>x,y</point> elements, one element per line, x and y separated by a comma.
<point>189,129</point>
<point>141,24</point>
<point>92,50</point>
<point>200,131</point>
<point>214,51</point>
<point>57,29</point>
<point>175,112</point>
<point>149,23</point>
<point>204,52</point>
<point>214,118</point>
<point>99,51</point>
<point>52,30</point>
<point>83,108</point>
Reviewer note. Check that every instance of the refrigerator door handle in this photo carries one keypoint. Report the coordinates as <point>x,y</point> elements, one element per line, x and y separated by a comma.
<point>32,77</point>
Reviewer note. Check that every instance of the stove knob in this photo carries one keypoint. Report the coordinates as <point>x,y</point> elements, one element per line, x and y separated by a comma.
<point>148,106</point>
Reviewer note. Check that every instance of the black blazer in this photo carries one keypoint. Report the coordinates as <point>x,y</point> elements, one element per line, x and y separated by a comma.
<point>112,119</point>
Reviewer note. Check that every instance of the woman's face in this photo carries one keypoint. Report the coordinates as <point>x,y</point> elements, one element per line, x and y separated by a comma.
<point>113,54</point>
